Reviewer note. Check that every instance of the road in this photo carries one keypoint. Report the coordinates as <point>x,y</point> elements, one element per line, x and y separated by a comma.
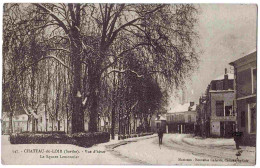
<point>141,150</point>
<point>175,151</point>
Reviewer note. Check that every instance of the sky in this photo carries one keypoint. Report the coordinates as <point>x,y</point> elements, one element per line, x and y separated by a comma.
<point>227,32</point>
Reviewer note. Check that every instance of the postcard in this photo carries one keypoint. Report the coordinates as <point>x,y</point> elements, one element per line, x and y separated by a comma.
<point>129,84</point>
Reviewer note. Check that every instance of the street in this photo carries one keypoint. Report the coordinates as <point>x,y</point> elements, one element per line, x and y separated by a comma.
<point>177,149</point>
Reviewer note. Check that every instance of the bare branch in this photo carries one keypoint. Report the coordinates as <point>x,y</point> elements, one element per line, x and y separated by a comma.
<point>126,70</point>
<point>61,23</point>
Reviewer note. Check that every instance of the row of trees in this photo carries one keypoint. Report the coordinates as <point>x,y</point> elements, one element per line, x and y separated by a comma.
<point>116,61</point>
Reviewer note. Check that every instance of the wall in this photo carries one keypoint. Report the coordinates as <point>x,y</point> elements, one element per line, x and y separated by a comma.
<point>177,124</point>
<point>228,98</point>
<point>242,106</point>
<point>244,80</point>
<point>215,120</point>
<point>181,117</point>
<point>215,128</point>
<point>246,98</point>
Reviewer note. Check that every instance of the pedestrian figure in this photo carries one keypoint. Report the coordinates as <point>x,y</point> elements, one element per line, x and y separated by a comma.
<point>237,138</point>
<point>160,135</point>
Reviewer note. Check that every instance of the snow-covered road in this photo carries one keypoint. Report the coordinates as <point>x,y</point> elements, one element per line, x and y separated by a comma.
<point>176,151</point>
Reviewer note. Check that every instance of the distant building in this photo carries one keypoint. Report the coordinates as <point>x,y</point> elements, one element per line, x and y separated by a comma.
<point>181,119</point>
<point>201,119</point>
<point>157,122</point>
<point>20,123</point>
<point>19,118</point>
<point>245,70</point>
<point>221,97</point>
<point>217,116</point>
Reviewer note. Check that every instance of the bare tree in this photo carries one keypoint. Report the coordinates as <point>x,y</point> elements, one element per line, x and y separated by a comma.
<point>93,40</point>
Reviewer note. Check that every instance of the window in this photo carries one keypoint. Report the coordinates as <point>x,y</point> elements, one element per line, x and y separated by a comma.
<point>219,108</point>
<point>228,111</point>
<point>189,118</point>
<point>158,125</point>
<point>253,120</point>
<point>182,118</point>
<point>254,81</point>
<point>243,118</point>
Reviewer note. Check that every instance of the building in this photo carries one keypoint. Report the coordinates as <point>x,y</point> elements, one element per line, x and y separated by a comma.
<point>19,123</point>
<point>202,123</point>
<point>181,119</point>
<point>245,70</point>
<point>17,115</point>
<point>158,121</point>
<point>219,118</point>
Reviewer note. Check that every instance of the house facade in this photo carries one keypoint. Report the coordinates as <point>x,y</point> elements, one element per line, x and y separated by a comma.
<point>216,117</point>
<point>19,123</point>
<point>181,119</point>
<point>202,122</point>
<point>158,121</point>
<point>245,70</point>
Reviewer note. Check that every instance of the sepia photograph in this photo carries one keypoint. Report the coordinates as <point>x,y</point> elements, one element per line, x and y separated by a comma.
<point>129,84</point>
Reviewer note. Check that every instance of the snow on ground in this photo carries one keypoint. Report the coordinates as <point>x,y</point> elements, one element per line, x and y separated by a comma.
<point>175,152</point>
<point>141,150</point>
<point>206,141</point>
<point>216,147</point>
<point>149,152</point>
<point>209,142</point>
<point>59,153</point>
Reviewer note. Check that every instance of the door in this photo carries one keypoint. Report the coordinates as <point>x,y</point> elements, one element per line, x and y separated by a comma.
<point>222,129</point>
<point>229,129</point>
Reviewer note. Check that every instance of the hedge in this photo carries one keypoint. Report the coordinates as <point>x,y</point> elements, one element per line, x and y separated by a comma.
<point>46,132</point>
<point>83,139</point>
<point>135,135</point>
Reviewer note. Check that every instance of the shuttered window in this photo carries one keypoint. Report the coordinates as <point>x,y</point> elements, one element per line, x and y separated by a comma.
<point>219,108</point>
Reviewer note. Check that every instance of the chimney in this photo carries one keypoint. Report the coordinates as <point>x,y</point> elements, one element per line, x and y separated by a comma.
<point>191,104</point>
<point>225,87</point>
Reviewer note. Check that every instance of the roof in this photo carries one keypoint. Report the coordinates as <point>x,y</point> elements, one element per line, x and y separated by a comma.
<point>182,108</point>
<point>22,117</point>
<point>244,59</point>
<point>221,77</point>
<point>161,117</point>
<point>221,91</point>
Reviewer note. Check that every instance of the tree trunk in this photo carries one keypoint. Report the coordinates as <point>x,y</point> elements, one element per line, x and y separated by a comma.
<point>134,124</point>
<point>36,125</point>
<point>113,108</point>
<point>52,125</point>
<point>67,111</point>
<point>27,126</point>
<point>11,123</point>
<point>77,120</point>
<point>46,120</point>
<point>33,124</point>
<point>94,90</point>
